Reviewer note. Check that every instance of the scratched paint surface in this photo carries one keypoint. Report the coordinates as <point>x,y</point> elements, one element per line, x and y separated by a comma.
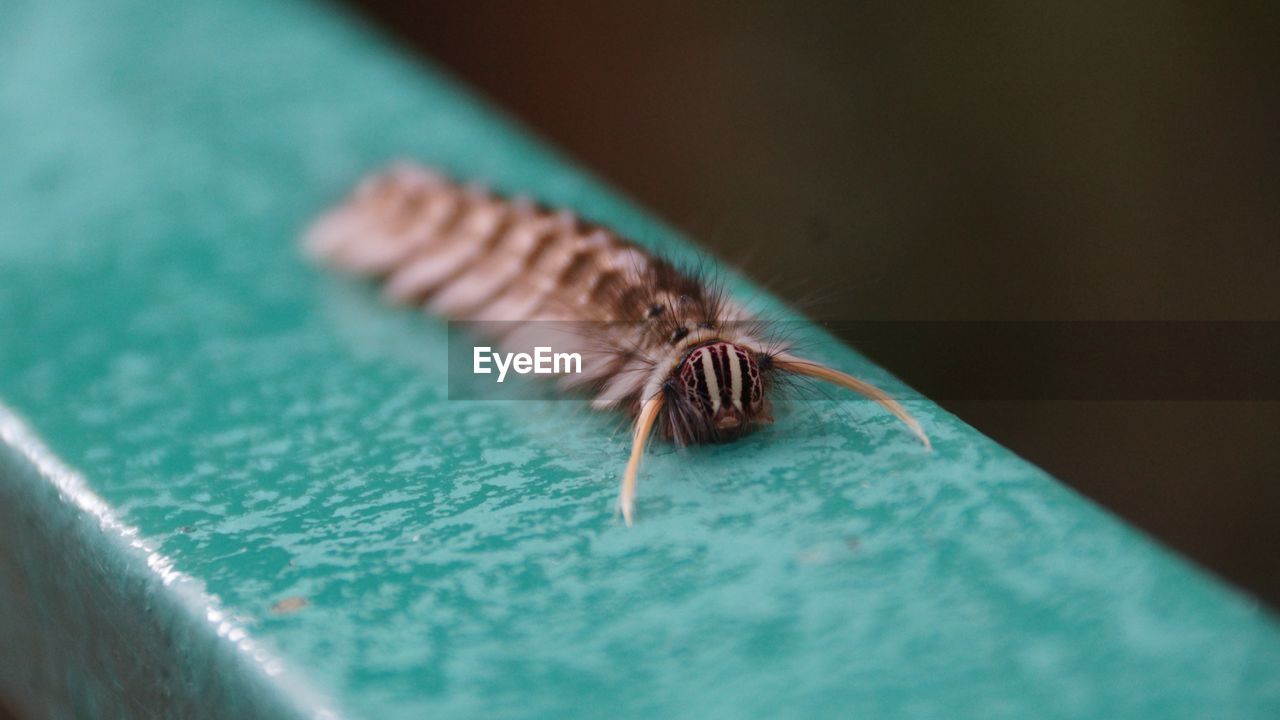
<point>280,434</point>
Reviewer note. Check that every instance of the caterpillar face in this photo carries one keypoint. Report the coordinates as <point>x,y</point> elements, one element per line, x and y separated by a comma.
<point>716,393</point>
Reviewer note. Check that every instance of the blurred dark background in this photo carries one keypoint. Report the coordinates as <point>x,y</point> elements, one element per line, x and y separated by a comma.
<point>1053,161</point>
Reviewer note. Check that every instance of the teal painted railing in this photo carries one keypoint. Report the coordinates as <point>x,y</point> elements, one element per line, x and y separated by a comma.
<point>231,484</point>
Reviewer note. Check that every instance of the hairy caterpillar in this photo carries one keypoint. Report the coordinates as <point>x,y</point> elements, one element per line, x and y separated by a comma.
<point>659,343</point>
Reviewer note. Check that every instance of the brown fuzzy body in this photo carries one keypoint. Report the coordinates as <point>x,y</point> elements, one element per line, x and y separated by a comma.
<point>466,254</point>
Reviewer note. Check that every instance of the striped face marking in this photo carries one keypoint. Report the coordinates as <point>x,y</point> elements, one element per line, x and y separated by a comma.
<point>721,381</point>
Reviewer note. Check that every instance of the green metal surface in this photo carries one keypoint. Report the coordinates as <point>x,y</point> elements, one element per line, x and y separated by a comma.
<point>271,431</point>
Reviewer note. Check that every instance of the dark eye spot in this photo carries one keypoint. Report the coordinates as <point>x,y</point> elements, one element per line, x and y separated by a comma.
<point>681,333</point>
<point>655,310</point>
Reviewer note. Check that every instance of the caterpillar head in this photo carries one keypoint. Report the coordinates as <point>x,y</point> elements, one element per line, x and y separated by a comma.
<point>716,393</point>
